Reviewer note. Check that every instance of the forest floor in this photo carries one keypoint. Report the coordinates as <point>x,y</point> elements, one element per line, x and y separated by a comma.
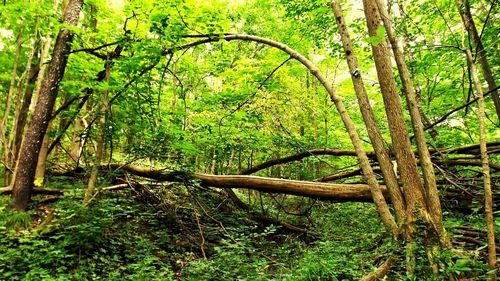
<point>184,232</point>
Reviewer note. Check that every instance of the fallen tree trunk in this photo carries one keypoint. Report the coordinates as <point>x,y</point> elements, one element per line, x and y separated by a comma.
<point>338,192</point>
<point>312,189</point>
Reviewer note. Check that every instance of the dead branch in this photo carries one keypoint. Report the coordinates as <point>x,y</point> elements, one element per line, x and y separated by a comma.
<point>466,162</point>
<point>302,155</point>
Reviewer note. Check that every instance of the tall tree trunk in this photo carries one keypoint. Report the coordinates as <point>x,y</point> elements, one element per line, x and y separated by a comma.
<point>37,127</point>
<point>488,197</point>
<point>416,203</point>
<point>44,61</point>
<point>407,167</point>
<point>470,26</point>
<point>432,194</point>
<point>369,117</point>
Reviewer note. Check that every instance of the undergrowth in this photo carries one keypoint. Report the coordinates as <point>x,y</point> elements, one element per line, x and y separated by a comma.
<point>189,234</point>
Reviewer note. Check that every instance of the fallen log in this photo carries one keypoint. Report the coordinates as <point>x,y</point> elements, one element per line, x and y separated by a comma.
<point>340,192</point>
<point>36,190</point>
<point>318,190</point>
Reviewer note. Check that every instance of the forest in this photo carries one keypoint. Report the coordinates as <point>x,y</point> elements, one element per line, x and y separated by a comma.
<point>249,140</point>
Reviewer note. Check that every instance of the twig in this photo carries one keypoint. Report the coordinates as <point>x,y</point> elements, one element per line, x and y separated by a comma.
<point>202,245</point>
<point>457,109</point>
<point>443,172</point>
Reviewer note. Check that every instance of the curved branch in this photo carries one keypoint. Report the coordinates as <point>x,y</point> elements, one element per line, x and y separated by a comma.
<point>302,155</point>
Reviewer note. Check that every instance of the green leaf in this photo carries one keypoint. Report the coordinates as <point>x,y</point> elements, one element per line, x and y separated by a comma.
<point>375,40</point>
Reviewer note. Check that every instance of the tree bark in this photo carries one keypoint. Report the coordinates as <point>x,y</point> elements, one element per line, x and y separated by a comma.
<point>488,197</point>
<point>37,127</point>
<point>377,141</point>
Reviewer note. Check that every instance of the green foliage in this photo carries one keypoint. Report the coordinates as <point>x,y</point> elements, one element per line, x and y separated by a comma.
<point>11,220</point>
<point>216,108</point>
<point>118,238</point>
<point>83,243</point>
<point>379,37</point>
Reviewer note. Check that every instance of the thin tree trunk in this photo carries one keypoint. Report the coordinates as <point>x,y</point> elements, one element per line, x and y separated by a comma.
<point>488,197</point>
<point>76,143</point>
<point>470,26</point>
<point>433,201</point>
<point>8,104</point>
<point>369,117</point>
<point>22,113</point>
<point>37,127</point>
<point>100,145</point>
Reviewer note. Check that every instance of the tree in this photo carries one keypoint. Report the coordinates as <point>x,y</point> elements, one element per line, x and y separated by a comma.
<point>37,127</point>
<point>405,158</point>
<point>470,26</point>
<point>431,191</point>
<point>369,117</point>
<point>488,197</point>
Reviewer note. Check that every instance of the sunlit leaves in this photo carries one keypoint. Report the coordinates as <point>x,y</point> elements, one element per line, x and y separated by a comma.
<point>379,37</point>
